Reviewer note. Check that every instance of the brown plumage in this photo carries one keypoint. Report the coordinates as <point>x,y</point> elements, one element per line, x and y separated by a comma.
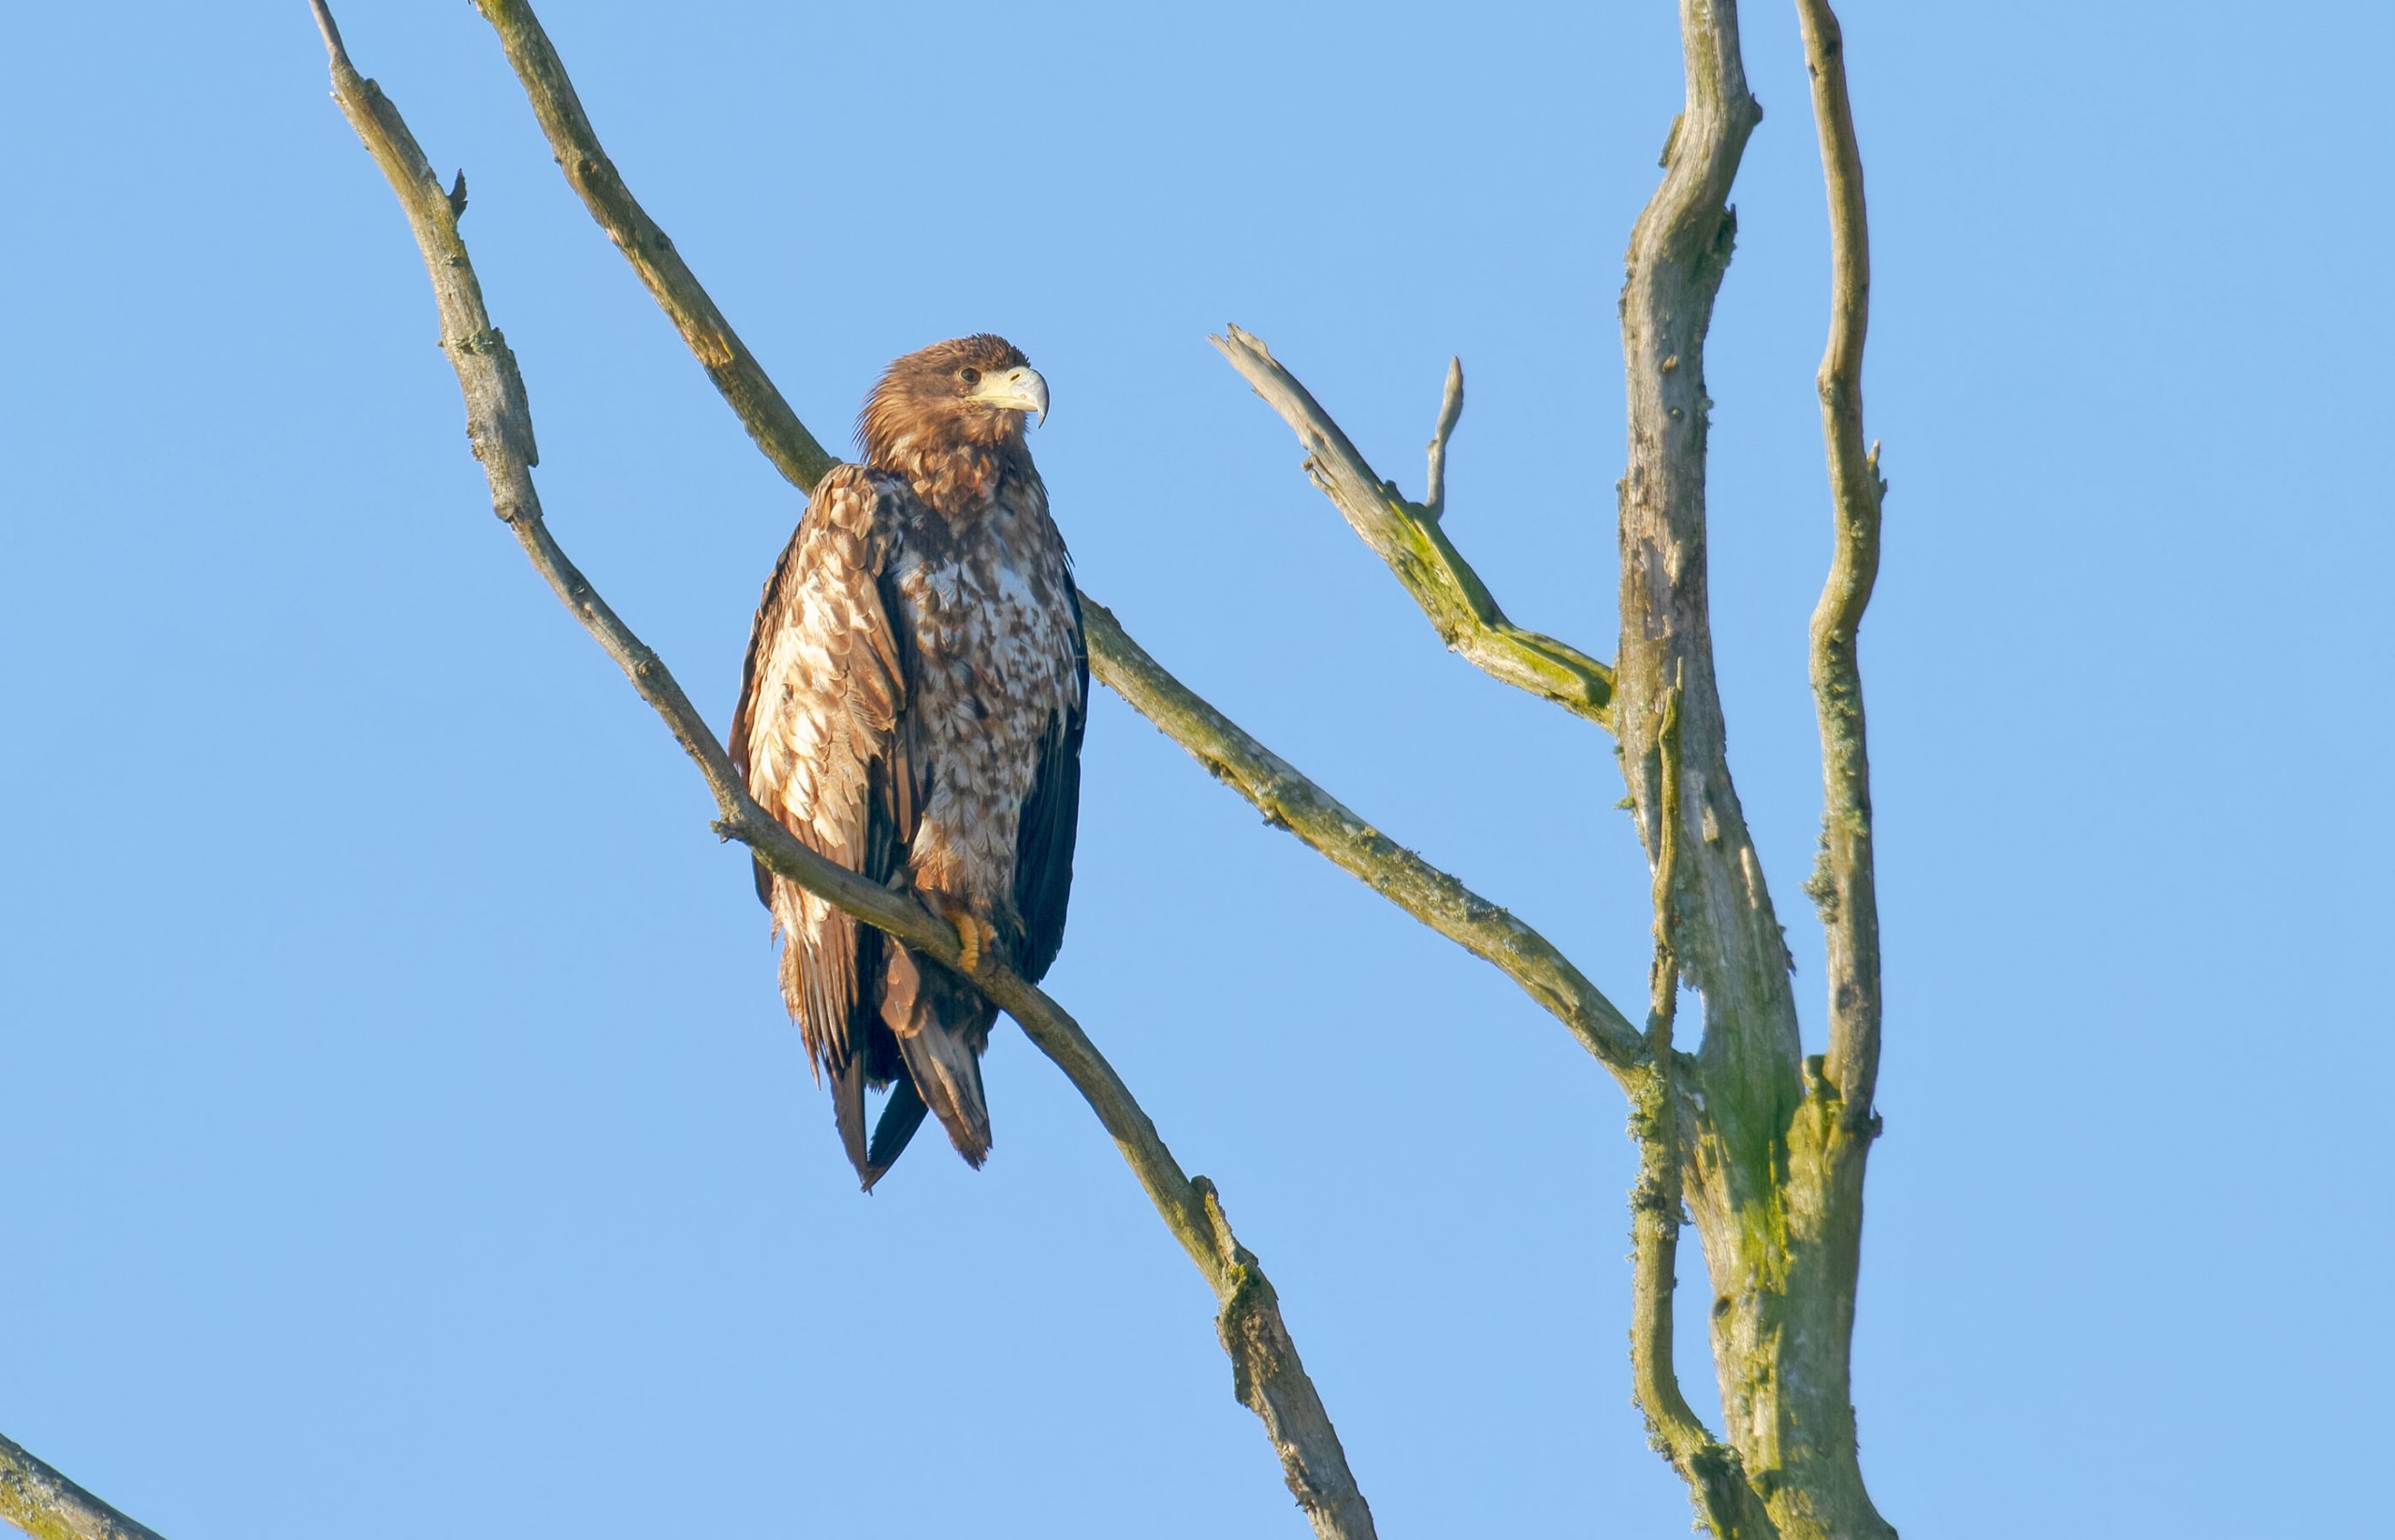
<point>911,708</point>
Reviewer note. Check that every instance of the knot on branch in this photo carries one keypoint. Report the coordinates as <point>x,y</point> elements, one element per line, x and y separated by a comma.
<point>1244,1323</point>
<point>1822,886</point>
<point>1249,1321</point>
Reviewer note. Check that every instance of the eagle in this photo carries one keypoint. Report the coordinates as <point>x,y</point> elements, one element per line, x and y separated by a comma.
<point>911,708</point>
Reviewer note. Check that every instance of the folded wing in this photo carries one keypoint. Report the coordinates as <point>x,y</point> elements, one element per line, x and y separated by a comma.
<point>821,735</point>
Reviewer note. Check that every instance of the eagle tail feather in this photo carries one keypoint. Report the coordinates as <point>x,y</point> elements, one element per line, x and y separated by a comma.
<point>901,1115</point>
<point>942,1023</point>
<point>847,1110</point>
<point>948,1075</point>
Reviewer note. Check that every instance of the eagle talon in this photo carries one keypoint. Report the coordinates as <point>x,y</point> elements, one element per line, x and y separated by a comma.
<point>973,932</point>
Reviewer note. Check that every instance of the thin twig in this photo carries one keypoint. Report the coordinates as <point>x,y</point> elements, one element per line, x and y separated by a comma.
<point>1434,479</point>
<point>1716,1477</point>
<point>1289,800</point>
<point>46,1505</point>
<point>1266,1366</point>
<point>1410,538</point>
<point>1843,886</point>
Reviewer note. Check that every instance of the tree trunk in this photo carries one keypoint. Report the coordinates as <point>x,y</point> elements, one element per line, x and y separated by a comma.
<point>1773,1169</point>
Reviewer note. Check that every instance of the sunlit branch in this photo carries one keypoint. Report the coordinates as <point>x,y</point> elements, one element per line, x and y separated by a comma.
<point>1843,885</point>
<point>1770,1178</point>
<point>586,167</point>
<point>1729,943</point>
<point>1269,1377</point>
<point>1410,538</point>
<point>1660,1116</point>
<point>1289,800</point>
<point>1434,477</point>
<point>47,1507</point>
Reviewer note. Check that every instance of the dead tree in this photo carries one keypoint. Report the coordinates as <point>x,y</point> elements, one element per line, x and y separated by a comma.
<point>1761,1148</point>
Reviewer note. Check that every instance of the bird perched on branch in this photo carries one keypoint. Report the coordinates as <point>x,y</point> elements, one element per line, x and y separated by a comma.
<point>912,709</point>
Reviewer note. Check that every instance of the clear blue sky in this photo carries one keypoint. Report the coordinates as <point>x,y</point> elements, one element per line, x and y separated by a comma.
<point>397,1116</point>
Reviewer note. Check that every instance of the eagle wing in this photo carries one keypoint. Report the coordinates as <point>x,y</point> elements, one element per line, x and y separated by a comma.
<point>821,735</point>
<point>1043,865</point>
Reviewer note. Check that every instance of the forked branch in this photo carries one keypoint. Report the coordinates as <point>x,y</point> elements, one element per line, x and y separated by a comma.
<point>1774,1180</point>
<point>1268,1375</point>
<point>1660,1119</point>
<point>1409,537</point>
<point>47,1507</point>
<point>1729,943</point>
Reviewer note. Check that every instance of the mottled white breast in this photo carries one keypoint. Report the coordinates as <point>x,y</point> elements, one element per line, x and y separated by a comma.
<point>988,604</point>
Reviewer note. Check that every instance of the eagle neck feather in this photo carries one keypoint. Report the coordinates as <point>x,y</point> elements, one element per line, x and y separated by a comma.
<point>957,480</point>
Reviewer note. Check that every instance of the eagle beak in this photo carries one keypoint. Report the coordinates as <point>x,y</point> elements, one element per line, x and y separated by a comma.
<point>1016,390</point>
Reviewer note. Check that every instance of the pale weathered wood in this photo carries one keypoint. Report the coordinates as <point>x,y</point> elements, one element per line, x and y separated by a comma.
<point>592,174</point>
<point>1775,1201</point>
<point>1290,801</point>
<point>1410,538</point>
<point>1662,1120</point>
<point>1843,886</point>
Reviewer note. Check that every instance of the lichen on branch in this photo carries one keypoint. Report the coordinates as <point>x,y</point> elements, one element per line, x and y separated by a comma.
<point>1412,538</point>
<point>36,1499</point>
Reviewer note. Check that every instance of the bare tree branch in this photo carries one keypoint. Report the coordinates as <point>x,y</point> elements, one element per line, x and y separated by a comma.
<point>727,359</point>
<point>1434,478</point>
<point>1726,940</point>
<point>1729,941</point>
<point>1289,800</point>
<point>47,1507</point>
<point>1410,538</point>
<point>1662,1121</point>
<point>1267,1372</point>
<point>1843,885</point>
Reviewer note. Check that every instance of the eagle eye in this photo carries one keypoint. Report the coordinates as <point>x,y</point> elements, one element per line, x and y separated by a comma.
<point>970,375</point>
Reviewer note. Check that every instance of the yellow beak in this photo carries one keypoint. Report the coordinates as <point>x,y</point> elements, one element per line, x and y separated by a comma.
<point>1020,389</point>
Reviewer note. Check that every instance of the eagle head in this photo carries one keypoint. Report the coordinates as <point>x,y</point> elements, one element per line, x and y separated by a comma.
<point>969,391</point>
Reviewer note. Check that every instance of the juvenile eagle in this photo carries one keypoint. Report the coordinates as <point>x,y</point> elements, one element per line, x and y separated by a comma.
<point>911,708</point>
